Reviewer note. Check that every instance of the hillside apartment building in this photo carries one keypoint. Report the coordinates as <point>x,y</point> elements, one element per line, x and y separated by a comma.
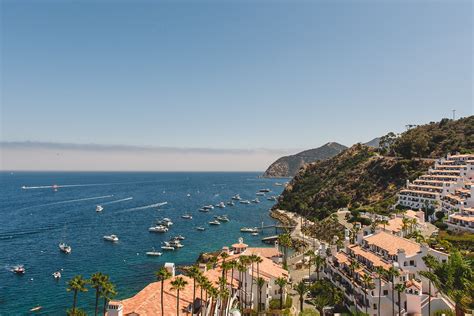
<point>449,187</point>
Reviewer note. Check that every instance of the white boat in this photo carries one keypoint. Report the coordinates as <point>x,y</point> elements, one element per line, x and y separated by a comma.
<point>36,309</point>
<point>175,243</point>
<point>221,205</point>
<point>255,234</point>
<point>231,203</point>
<point>214,222</point>
<point>222,218</point>
<point>188,195</point>
<point>256,201</point>
<point>99,208</point>
<point>158,229</point>
<point>200,228</point>
<point>236,197</point>
<point>187,216</point>
<point>164,222</point>
<point>19,269</point>
<point>260,193</point>
<point>112,238</point>
<point>272,198</point>
<point>249,230</point>
<point>179,237</point>
<point>264,190</point>
<point>208,207</point>
<point>278,184</point>
<point>204,210</point>
<point>65,248</point>
<point>244,202</point>
<point>153,253</point>
<point>57,275</point>
<point>167,246</point>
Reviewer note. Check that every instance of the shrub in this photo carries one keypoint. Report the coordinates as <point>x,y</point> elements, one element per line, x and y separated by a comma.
<point>441,225</point>
<point>446,312</point>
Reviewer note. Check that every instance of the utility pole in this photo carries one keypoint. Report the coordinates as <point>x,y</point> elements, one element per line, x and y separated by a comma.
<point>454,114</point>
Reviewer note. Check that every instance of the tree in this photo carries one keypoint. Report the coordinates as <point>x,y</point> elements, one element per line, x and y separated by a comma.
<point>310,254</point>
<point>194,273</point>
<point>224,256</point>
<point>285,241</point>
<point>162,275</point>
<point>260,283</point>
<point>320,302</point>
<point>353,266</point>
<point>368,284</point>
<point>97,281</point>
<point>400,287</point>
<point>318,263</point>
<point>107,292</point>
<point>252,259</point>
<point>281,282</point>
<point>178,284</point>
<point>393,273</point>
<point>301,289</point>
<point>242,269</point>
<point>430,263</point>
<point>380,273</point>
<point>77,284</point>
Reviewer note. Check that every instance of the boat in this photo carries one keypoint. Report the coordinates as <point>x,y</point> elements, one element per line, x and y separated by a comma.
<point>204,210</point>
<point>167,246</point>
<point>65,248</point>
<point>214,222</point>
<point>244,202</point>
<point>256,200</point>
<point>254,234</point>
<point>272,198</point>
<point>222,218</point>
<point>158,229</point>
<point>153,253</point>
<point>36,309</point>
<point>249,230</point>
<point>264,190</point>
<point>260,193</point>
<point>208,207</point>
<point>57,275</point>
<point>19,269</point>
<point>175,243</point>
<point>99,208</point>
<point>179,237</point>
<point>112,238</point>
<point>200,228</point>
<point>221,205</point>
<point>278,184</point>
<point>188,195</point>
<point>236,197</point>
<point>164,222</point>
<point>231,203</point>
<point>187,216</point>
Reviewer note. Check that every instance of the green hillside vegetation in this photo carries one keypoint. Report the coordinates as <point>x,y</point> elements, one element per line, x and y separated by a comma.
<point>368,178</point>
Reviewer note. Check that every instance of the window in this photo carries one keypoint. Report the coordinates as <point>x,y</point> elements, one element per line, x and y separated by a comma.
<point>375,306</point>
<point>385,292</point>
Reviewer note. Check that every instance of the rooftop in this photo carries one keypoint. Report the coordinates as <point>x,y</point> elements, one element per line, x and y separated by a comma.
<point>392,243</point>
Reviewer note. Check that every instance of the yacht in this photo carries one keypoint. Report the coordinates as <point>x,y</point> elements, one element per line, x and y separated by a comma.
<point>187,216</point>
<point>158,229</point>
<point>175,243</point>
<point>256,200</point>
<point>19,269</point>
<point>57,275</point>
<point>204,210</point>
<point>112,238</point>
<point>167,246</point>
<point>208,207</point>
<point>264,190</point>
<point>272,198</point>
<point>65,248</point>
<point>153,253</point>
<point>260,193</point>
<point>244,202</point>
<point>236,197</point>
<point>249,230</point>
<point>179,237</point>
<point>231,203</point>
<point>254,234</point>
<point>222,218</point>
<point>99,208</point>
<point>200,228</point>
<point>164,222</point>
<point>214,222</point>
<point>36,308</point>
<point>221,205</point>
<point>278,184</point>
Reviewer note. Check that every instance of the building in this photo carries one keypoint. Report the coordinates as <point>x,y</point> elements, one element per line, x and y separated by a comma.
<point>348,268</point>
<point>148,300</point>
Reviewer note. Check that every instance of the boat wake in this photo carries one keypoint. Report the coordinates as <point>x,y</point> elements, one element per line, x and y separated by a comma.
<point>117,201</point>
<point>67,201</point>
<point>156,205</point>
<point>57,186</point>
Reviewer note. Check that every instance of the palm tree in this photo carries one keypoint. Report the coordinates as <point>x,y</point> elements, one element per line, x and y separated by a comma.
<point>281,282</point>
<point>233,266</point>
<point>318,263</point>
<point>162,275</point>
<point>310,253</point>
<point>107,292</point>
<point>400,287</point>
<point>178,284</point>
<point>224,255</point>
<point>97,281</point>
<point>77,284</point>
<point>301,290</point>
<point>430,263</point>
<point>260,283</point>
<point>368,284</point>
<point>224,295</point>
<point>194,273</point>
<point>320,302</point>
<point>252,260</point>
<point>214,294</point>
<point>405,225</point>
<point>393,273</point>
<point>380,273</point>
<point>246,262</point>
<point>285,241</point>
<point>354,265</point>
<point>242,269</point>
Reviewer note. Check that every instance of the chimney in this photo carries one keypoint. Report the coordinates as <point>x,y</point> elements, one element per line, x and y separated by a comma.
<point>114,309</point>
<point>171,268</point>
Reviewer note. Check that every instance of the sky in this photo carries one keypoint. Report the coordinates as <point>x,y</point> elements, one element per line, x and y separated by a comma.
<point>233,84</point>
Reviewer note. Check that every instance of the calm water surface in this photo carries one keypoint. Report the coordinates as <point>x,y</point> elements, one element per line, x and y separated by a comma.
<point>34,221</point>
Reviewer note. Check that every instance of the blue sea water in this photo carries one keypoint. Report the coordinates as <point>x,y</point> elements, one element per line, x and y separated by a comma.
<point>34,221</point>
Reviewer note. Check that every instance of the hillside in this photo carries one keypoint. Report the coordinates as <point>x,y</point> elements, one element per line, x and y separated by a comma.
<point>360,177</point>
<point>288,166</point>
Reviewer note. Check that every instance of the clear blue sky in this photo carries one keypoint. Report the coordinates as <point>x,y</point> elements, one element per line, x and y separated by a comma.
<point>231,74</point>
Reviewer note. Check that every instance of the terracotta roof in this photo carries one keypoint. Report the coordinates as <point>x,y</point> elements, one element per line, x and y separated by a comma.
<point>376,260</point>
<point>413,283</point>
<point>242,245</point>
<point>394,224</point>
<point>267,252</point>
<point>462,218</point>
<point>392,243</point>
<point>341,257</point>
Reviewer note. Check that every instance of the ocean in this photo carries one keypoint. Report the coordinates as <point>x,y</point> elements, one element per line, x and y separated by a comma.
<point>34,221</point>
